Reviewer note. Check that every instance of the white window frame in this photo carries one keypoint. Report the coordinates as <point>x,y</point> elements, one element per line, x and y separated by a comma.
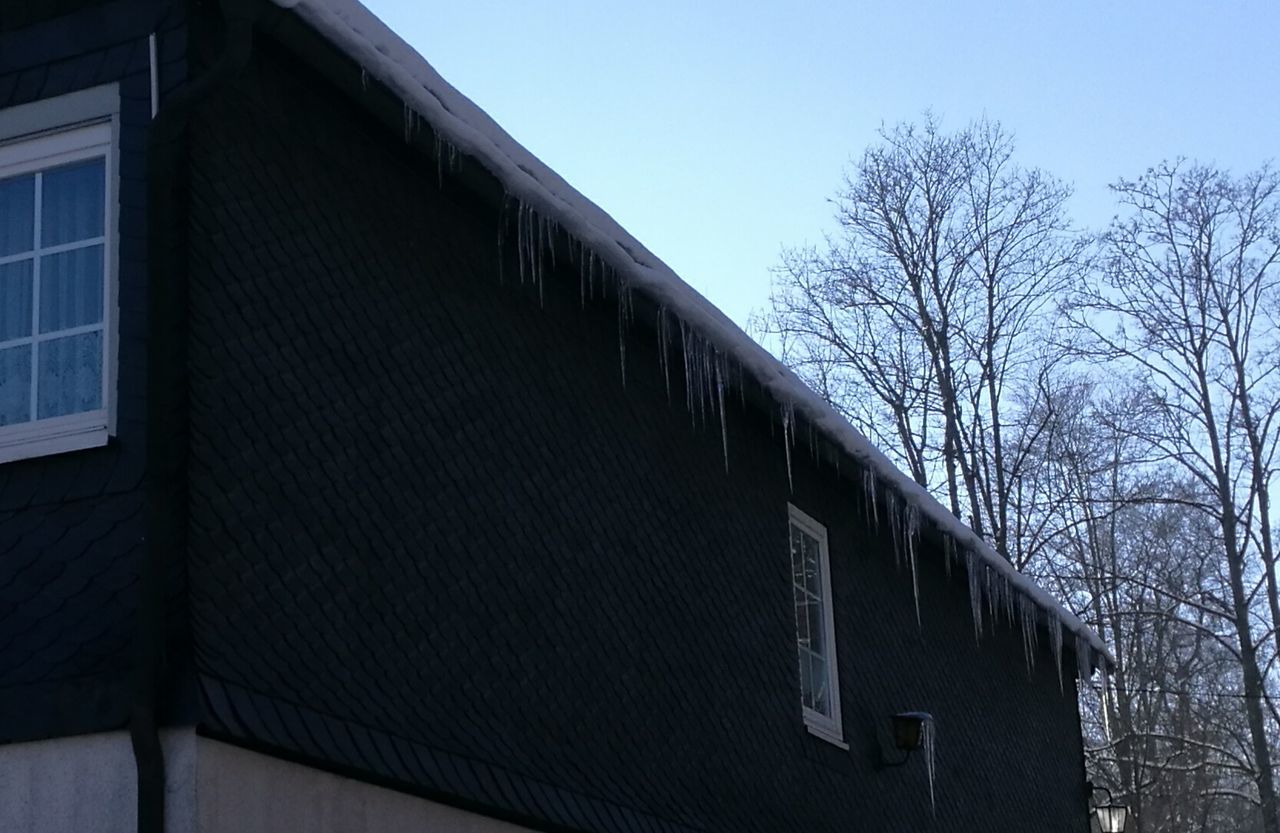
<point>45,134</point>
<point>828,727</point>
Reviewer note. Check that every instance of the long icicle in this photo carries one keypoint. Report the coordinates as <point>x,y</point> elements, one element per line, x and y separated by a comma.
<point>1105,702</point>
<point>664,349</point>
<point>1055,644</point>
<point>1084,659</point>
<point>624,318</point>
<point>975,593</point>
<point>788,415</point>
<point>912,535</point>
<point>869,496</point>
<point>685,348</point>
<point>439,149</point>
<point>1007,594</point>
<point>894,519</point>
<point>720,369</point>
<point>1030,632</point>
<point>930,741</point>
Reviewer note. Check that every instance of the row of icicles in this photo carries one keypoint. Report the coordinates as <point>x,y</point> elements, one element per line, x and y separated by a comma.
<point>709,372</point>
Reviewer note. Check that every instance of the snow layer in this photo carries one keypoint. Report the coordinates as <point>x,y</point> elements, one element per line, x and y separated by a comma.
<point>385,56</point>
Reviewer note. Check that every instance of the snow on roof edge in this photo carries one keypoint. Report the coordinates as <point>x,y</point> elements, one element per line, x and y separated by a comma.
<point>368,41</point>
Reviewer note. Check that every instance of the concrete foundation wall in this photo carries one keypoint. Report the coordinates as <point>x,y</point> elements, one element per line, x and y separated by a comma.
<point>87,784</point>
<point>245,792</point>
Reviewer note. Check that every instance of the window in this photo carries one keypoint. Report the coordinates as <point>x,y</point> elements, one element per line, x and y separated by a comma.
<point>56,293</point>
<point>815,627</point>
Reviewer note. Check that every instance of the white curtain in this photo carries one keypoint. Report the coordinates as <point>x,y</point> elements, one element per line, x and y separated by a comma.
<point>15,384</point>
<point>70,380</point>
<point>71,289</point>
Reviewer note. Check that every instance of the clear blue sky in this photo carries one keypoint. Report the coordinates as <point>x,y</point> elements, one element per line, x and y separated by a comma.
<point>715,131</point>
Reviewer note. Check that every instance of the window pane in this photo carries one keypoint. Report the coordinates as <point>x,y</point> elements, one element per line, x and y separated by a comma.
<point>806,680</point>
<point>810,610</point>
<point>812,565</point>
<point>813,646</point>
<point>72,203</point>
<point>818,676</point>
<point>797,558</point>
<point>71,289</point>
<point>17,214</point>
<point>802,621</point>
<point>15,300</point>
<point>70,380</point>
<point>15,385</point>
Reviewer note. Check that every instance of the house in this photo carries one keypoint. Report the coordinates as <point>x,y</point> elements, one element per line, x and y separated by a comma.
<point>357,473</point>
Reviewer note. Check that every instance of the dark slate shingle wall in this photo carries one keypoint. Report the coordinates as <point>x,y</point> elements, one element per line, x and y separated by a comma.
<point>72,526</point>
<point>435,541</point>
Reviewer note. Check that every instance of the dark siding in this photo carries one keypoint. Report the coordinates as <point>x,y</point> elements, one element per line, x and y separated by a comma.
<point>435,541</point>
<point>72,525</point>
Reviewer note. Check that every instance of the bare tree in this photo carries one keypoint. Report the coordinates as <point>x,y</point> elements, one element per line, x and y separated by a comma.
<point>1186,302</point>
<point>1106,413</point>
<point>917,318</point>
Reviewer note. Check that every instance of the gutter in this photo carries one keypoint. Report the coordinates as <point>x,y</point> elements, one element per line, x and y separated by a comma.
<point>165,477</point>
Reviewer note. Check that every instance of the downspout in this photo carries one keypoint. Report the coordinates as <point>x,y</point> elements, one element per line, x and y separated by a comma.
<point>165,476</point>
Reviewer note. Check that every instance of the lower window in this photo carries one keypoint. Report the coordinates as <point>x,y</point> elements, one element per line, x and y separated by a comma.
<point>815,626</point>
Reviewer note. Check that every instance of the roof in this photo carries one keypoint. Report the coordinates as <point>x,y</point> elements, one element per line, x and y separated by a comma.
<point>545,198</point>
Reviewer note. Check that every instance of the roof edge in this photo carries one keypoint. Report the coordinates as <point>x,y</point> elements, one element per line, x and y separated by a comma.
<point>380,52</point>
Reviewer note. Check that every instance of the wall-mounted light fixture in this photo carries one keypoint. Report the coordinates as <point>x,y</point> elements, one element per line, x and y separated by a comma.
<point>1111,817</point>
<point>908,734</point>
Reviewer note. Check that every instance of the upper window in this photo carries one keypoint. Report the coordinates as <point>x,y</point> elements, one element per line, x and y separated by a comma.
<point>815,626</point>
<point>55,290</point>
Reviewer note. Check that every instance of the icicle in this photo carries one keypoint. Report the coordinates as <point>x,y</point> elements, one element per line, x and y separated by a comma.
<point>930,741</point>
<point>706,396</point>
<point>408,122</point>
<point>894,519</point>
<point>552,229</point>
<point>912,535</point>
<point>869,495</point>
<point>541,249</point>
<point>724,426</point>
<point>364,79</point>
<point>439,148</point>
<point>1055,644</point>
<point>948,553</point>
<point>582,275</point>
<point>624,318</point>
<point>1105,701</point>
<point>1030,635</point>
<point>788,415</point>
<point>453,156</point>
<point>664,349</point>
<point>685,348</point>
<point>1084,659</point>
<point>536,226</point>
<point>520,246</point>
<point>989,588</point>
<point>975,593</point>
<point>522,242</point>
<point>1006,588</point>
<point>697,375</point>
